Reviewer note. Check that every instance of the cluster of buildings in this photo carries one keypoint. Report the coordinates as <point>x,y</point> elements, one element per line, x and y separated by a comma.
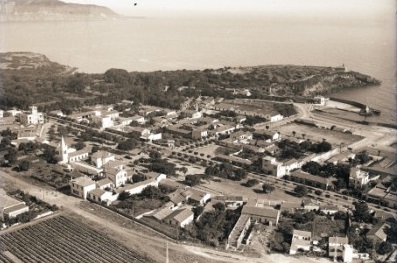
<point>338,247</point>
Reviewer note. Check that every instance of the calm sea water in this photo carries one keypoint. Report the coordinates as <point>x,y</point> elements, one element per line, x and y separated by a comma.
<point>149,44</point>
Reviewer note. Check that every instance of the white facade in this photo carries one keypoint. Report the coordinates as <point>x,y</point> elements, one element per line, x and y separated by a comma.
<point>81,186</point>
<point>347,253</point>
<point>275,117</point>
<point>34,117</point>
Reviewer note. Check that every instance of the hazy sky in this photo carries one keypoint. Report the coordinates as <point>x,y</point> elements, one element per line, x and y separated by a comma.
<point>313,7</point>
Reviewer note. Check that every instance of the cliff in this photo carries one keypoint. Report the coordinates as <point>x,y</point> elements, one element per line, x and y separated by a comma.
<point>51,10</point>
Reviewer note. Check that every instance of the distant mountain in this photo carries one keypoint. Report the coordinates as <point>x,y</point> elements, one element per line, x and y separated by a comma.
<point>51,10</point>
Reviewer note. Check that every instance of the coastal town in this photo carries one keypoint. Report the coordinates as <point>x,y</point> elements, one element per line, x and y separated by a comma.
<point>241,175</point>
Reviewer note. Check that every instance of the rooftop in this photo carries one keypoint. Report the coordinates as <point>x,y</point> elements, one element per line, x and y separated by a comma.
<point>83,181</point>
<point>260,211</point>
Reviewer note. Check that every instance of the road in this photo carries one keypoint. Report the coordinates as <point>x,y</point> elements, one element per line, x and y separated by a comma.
<point>138,240</point>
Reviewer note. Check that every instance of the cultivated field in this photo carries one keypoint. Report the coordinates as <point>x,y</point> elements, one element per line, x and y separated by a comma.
<point>63,240</point>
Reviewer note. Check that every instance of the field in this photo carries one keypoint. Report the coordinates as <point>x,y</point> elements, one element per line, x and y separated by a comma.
<point>228,187</point>
<point>317,134</point>
<point>64,240</point>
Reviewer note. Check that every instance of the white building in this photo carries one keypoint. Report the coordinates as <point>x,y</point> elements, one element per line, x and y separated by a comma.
<point>347,253</point>
<point>274,116</point>
<point>11,207</point>
<point>278,169</point>
<point>301,240</point>
<point>117,173</point>
<point>70,155</point>
<point>81,186</point>
<point>180,217</point>
<point>100,158</point>
<point>359,178</point>
<point>34,117</point>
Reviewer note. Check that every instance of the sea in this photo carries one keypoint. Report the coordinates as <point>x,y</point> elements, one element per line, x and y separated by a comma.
<point>200,42</point>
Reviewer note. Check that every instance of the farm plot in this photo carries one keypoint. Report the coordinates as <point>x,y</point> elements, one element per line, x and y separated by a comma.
<point>63,240</point>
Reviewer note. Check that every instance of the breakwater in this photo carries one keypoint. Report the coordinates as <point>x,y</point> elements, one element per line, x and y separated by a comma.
<point>355,104</point>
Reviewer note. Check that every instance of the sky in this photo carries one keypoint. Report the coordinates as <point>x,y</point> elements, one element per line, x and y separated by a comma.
<point>352,8</point>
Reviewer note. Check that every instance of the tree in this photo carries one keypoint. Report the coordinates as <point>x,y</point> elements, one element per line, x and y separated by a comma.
<point>124,195</point>
<point>312,167</point>
<point>197,210</point>
<point>251,182</point>
<point>155,155</point>
<point>138,178</point>
<point>267,188</point>
<point>11,156</point>
<point>151,192</point>
<point>361,212</point>
<point>127,145</point>
<point>24,166</point>
<point>294,133</point>
<point>384,248</point>
<point>301,190</point>
<point>79,145</point>
<point>219,206</point>
<point>192,179</point>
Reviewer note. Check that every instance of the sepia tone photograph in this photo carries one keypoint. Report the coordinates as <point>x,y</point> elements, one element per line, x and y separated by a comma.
<point>198,131</point>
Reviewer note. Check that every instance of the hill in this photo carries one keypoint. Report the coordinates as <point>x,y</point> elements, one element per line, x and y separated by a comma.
<point>51,10</point>
<point>28,78</point>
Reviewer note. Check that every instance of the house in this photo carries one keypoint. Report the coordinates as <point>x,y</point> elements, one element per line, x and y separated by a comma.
<point>103,121</point>
<point>301,241</point>
<point>192,114</point>
<point>311,205</point>
<point>230,201</point>
<point>139,119</point>
<point>137,188</point>
<point>378,232</point>
<point>199,132</point>
<point>359,178</point>
<point>196,197</point>
<point>14,112</point>
<point>100,158</point>
<point>347,255</point>
<point>33,117</point>
<point>100,195</point>
<point>238,232</point>
<point>116,172</point>
<point>312,180</point>
<point>267,136</point>
<point>241,135</point>
<point>11,207</point>
<point>104,183</point>
<point>274,116</point>
<point>234,160</point>
<point>78,155</point>
<point>181,217</point>
<point>278,169</point>
<point>262,214</point>
<point>291,207</point>
<point>167,143</point>
<point>81,186</point>
<point>329,209</point>
<point>335,246</point>
<point>176,130</point>
<point>176,198</point>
